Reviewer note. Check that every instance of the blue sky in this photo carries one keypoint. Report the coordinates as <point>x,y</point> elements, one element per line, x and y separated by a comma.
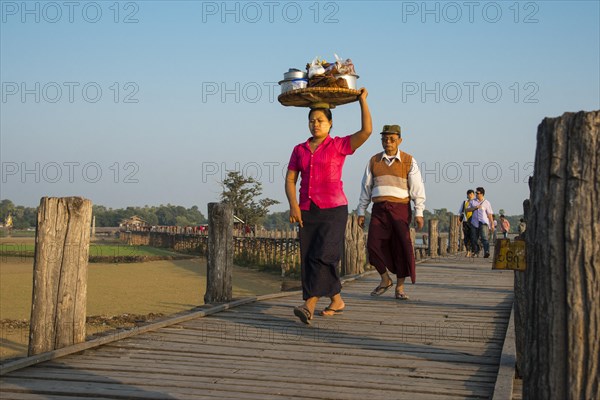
<point>152,102</point>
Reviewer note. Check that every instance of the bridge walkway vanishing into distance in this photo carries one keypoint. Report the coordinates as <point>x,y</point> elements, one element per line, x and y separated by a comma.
<point>446,342</point>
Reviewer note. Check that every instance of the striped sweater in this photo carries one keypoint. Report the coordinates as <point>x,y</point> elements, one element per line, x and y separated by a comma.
<point>396,179</point>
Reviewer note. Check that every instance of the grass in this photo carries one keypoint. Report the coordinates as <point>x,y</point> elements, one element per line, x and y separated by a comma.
<point>17,233</point>
<point>96,250</point>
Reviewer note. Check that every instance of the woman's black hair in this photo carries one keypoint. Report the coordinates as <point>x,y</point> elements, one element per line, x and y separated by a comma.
<point>325,111</point>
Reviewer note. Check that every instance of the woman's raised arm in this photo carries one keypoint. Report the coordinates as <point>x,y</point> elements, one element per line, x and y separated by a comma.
<point>357,139</point>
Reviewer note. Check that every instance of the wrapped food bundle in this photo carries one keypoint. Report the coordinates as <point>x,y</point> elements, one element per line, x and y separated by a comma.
<point>340,74</point>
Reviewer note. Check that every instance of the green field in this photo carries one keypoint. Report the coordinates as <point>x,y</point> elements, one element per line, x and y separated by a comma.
<point>20,249</point>
<point>17,233</point>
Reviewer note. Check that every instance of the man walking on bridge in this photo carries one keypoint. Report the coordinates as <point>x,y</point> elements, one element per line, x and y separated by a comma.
<point>482,222</point>
<point>465,220</point>
<point>391,180</point>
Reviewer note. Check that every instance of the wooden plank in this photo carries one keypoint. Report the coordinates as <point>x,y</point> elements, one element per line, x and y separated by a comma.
<point>162,362</point>
<point>506,374</point>
<point>183,378</point>
<point>259,340</point>
<point>33,396</point>
<point>387,367</point>
<point>25,362</point>
<point>447,337</point>
<point>224,361</point>
<point>302,388</point>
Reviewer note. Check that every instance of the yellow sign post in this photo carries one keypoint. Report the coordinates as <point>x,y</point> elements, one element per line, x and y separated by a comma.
<point>509,255</point>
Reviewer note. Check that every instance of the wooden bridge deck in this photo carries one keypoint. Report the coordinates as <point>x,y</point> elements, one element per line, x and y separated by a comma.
<point>444,343</point>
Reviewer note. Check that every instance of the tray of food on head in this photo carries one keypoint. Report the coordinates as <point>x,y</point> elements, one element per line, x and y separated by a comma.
<point>322,85</point>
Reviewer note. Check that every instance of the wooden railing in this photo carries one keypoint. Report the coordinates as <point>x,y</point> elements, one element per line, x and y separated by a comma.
<point>279,249</point>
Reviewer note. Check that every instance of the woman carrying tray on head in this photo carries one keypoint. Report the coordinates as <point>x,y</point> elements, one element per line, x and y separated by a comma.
<point>322,211</point>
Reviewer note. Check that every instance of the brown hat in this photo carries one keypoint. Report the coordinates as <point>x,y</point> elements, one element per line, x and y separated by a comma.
<point>391,129</point>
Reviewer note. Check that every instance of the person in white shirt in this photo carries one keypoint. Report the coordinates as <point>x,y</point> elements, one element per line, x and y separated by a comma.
<point>482,222</point>
<point>391,181</point>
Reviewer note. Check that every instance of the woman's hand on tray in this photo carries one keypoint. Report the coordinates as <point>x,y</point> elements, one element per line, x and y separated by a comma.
<point>362,97</point>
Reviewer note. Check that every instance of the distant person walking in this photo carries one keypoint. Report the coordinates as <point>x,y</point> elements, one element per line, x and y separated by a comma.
<point>322,211</point>
<point>482,221</point>
<point>465,220</point>
<point>522,227</point>
<point>391,181</point>
<point>494,232</point>
<point>504,226</point>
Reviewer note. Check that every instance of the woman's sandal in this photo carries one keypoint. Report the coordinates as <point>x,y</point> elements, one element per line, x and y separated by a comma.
<point>303,314</point>
<point>379,290</point>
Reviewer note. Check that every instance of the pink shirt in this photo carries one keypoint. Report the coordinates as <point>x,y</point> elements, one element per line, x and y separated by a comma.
<point>321,172</point>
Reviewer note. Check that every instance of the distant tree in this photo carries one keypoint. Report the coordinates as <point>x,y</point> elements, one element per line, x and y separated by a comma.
<point>195,216</point>
<point>6,208</point>
<point>161,215</point>
<point>443,217</point>
<point>243,193</point>
<point>277,221</point>
<point>181,220</point>
<point>25,217</point>
<point>22,217</point>
<point>30,217</point>
<point>166,215</point>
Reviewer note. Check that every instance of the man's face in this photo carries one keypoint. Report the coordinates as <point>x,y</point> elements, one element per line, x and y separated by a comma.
<point>390,143</point>
<point>479,195</point>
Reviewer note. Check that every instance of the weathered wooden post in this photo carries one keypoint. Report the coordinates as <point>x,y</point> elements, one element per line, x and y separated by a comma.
<point>220,253</point>
<point>442,245</point>
<point>454,233</point>
<point>520,308</point>
<point>413,238</point>
<point>433,238</point>
<point>354,256</point>
<point>562,352</point>
<point>62,241</point>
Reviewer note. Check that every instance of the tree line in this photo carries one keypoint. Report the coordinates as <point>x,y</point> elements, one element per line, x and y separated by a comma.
<point>172,215</point>
<point>25,217</point>
<point>243,193</point>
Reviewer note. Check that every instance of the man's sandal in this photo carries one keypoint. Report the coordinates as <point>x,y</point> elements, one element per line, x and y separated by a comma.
<point>401,296</point>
